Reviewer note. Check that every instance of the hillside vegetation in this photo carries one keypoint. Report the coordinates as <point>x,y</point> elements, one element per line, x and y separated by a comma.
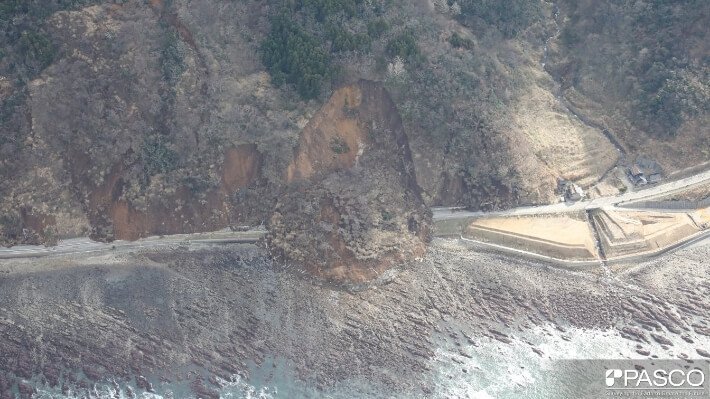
<point>123,119</point>
<point>644,66</point>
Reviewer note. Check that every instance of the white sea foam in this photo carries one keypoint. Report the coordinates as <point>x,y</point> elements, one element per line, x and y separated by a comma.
<point>503,371</point>
<point>488,370</point>
<point>237,387</point>
<point>99,392</point>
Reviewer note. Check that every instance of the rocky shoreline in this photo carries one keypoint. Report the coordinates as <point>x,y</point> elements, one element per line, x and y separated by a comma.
<point>199,317</point>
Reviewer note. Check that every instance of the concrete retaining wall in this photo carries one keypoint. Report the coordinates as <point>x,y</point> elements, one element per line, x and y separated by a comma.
<point>530,244</point>
<point>668,204</point>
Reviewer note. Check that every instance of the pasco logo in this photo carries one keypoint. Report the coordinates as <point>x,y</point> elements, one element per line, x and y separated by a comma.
<point>612,375</point>
<point>663,379</point>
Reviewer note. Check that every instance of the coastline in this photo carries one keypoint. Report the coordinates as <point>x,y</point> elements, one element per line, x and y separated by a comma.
<point>222,309</point>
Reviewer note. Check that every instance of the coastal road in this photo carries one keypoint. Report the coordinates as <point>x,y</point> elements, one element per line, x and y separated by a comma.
<point>85,245</point>
<point>601,202</point>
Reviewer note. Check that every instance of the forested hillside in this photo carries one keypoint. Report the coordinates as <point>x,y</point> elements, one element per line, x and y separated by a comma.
<point>124,119</point>
<point>645,64</point>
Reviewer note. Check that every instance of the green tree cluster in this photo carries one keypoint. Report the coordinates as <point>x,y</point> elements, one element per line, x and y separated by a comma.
<point>294,56</point>
<point>26,47</point>
<point>404,46</point>
<point>156,156</point>
<point>306,35</point>
<point>665,72</point>
<point>172,58</point>
<point>459,41</point>
<point>342,40</point>
<point>659,82</point>
<point>37,50</point>
<point>324,9</point>
<point>377,27</point>
<point>510,17</point>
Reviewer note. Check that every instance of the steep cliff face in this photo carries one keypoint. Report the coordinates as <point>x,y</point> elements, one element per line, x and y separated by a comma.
<point>180,209</point>
<point>160,117</point>
<point>353,208</point>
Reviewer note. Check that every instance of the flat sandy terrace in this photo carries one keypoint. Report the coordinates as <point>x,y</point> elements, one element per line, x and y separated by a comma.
<point>580,237</point>
<point>564,236</point>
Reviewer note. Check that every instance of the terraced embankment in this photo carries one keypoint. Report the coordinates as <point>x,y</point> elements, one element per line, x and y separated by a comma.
<point>630,233</point>
<point>579,237</point>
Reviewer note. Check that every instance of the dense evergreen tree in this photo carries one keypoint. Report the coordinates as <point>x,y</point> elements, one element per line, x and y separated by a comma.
<point>294,56</point>
<point>509,17</point>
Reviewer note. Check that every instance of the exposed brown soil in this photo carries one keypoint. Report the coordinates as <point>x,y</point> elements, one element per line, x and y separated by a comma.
<point>37,223</point>
<point>332,139</point>
<point>191,73</point>
<point>28,226</point>
<point>346,267</point>
<point>172,19</point>
<point>241,166</point>
<point>113,217</point>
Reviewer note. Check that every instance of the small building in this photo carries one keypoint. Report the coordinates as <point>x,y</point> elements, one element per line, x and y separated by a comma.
<point>654,178</point>
<point>637,176</point>
<point>574,192</point>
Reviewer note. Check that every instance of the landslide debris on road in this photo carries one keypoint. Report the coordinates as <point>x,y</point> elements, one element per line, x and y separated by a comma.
<point>353,208</point>
<point>177,210</point>
<point>123,119</point>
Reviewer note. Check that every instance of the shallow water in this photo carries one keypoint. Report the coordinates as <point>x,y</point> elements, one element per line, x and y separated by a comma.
<point>490,369</point>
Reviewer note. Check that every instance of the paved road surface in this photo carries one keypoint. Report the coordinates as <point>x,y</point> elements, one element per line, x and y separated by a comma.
<point>602,202</point>
<point>85,245</point>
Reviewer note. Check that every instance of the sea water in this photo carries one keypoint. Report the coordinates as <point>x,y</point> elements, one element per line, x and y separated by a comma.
<point>489,369</point>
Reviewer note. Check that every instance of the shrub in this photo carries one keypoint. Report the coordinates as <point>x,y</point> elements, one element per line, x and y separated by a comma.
<point>403,46</point>
<point>338,145</point>
<point>377,27</point>
<point>37,50</point>
<point>172,58</point>
<point>509,17</point>
<point>10,226</point>
<point>342,40</point>
<point>458,41</point>
<point>322,9</point>
<point>156,156</point>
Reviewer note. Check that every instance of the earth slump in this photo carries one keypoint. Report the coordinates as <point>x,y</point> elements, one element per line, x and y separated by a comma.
<point>353,208</point>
